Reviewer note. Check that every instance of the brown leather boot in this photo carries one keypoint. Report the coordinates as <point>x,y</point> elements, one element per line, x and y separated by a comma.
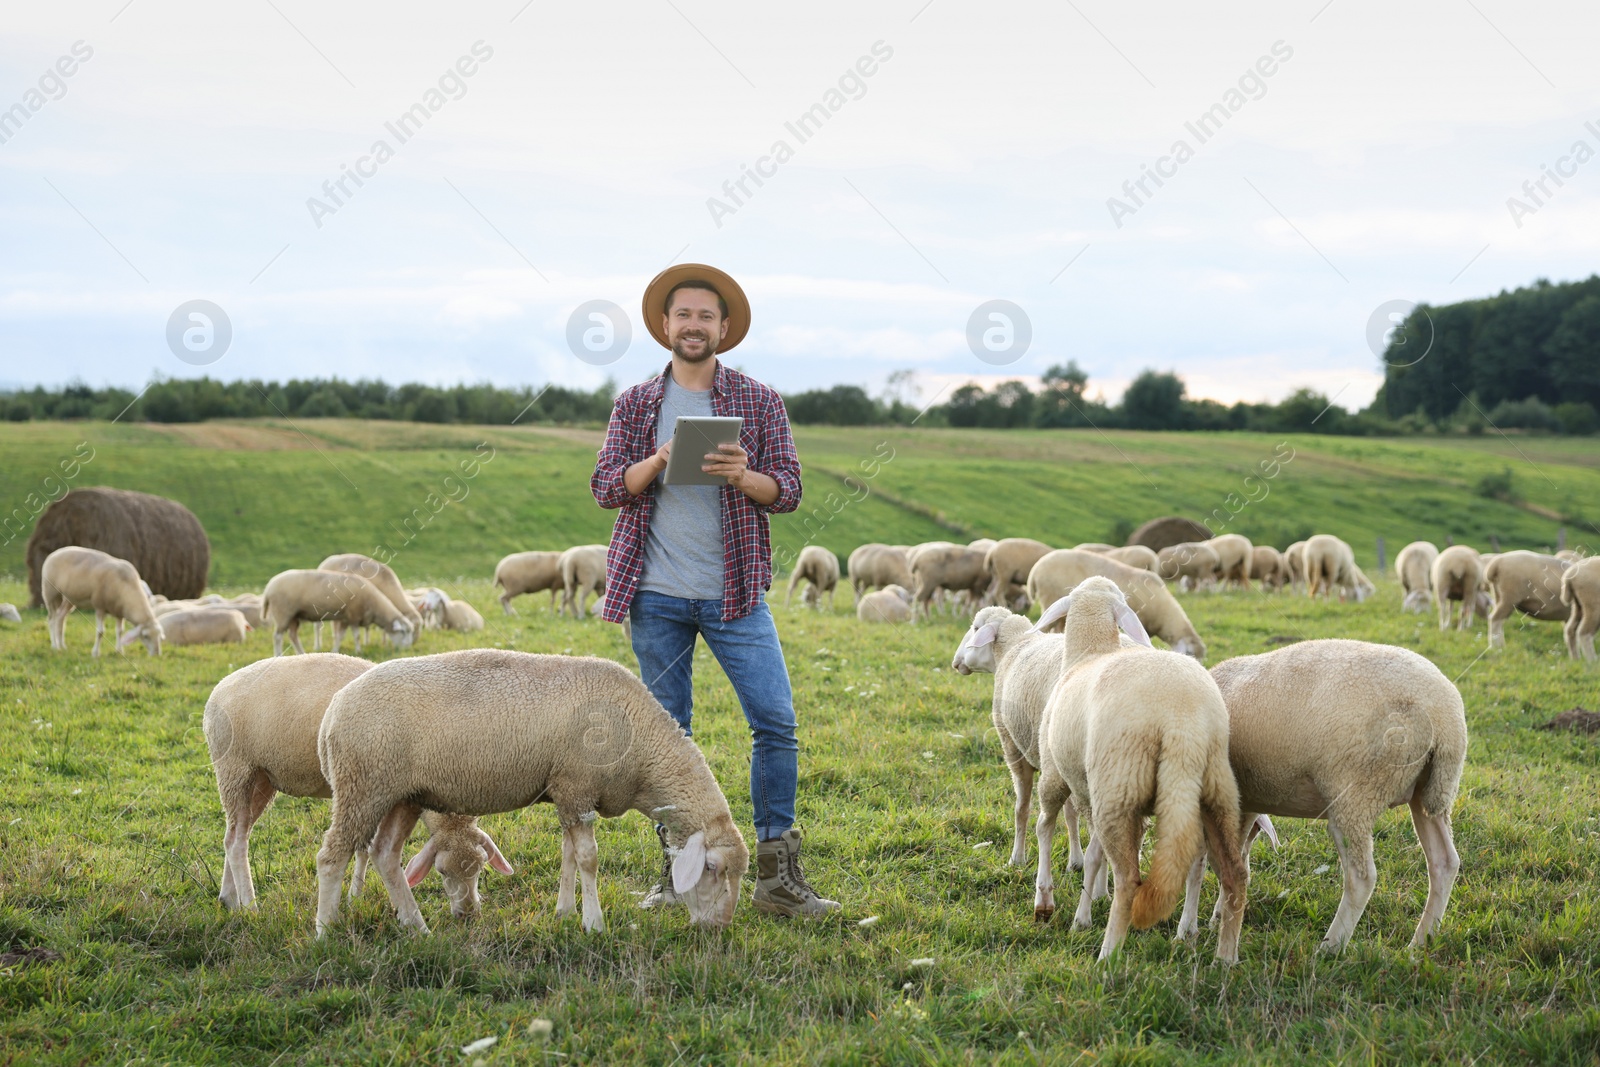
<point>781,887</point>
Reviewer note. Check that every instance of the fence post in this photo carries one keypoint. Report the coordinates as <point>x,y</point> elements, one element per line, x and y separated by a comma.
<point>1561,539</point>
<point>1380,557</point>
<point>1494,542</point>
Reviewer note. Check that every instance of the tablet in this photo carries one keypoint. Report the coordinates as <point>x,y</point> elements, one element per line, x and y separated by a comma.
<point>692,437</point>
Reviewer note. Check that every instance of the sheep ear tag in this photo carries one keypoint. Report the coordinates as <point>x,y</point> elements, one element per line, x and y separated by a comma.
<point>1055,611</point>
<point>690,862</point>
<point>421,863</point>
<point>1130,624</point>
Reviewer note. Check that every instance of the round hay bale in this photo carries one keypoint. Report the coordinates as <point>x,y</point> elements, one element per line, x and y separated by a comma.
<point>161,538</point>
<point>1167,531</point>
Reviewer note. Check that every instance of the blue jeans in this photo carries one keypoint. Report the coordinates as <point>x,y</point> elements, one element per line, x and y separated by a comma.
<point>664,631</point>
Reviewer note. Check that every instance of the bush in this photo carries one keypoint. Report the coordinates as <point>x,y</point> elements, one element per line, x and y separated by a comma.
<point>19,411</point>
<point>1496,486</point>
<point>1529,414</point>
<point>1579,418</point>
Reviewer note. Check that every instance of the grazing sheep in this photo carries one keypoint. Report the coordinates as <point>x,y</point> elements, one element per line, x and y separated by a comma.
<point>1414,567</point>
<point>876,566</point>
<point>1580,591</point>
<point>1130,734</point>
<point>1058,573</point>
<point>429,602</point>
<point>889,604</point>
<point>1135,556</point>
<point>487,730</point>
<point>261,726</point>
<point>1457,575</point>
<point>583,571</point>
<point>1342,731</point>
<point>1330,563</point>
<point>1295,557</point>
<point>818,567</point>
<point>9,613</point>
<point>1529,582</point>
<point>161,538</point>
<point>1093,546</point>
<point>248,605</point>
<point>953,568</point>
<point>348,600</point>
<point>1267,566</point>
<point>209,625</point>
<point>74,577</point>
<point>983,544</point>
<point>1189,564</point>
<point>1235,555</point>
<point>1008,564</point>
<point>528,572</point>
<point>459,615</point>
<point>382,576</point>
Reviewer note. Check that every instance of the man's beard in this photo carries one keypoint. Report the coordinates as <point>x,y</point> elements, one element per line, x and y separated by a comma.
<point>706,352</point>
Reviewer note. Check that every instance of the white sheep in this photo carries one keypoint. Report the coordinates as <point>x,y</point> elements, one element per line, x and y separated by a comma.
<point>889,604</point>
<point>1414,567</point>
<point>1342,731</point>
<point>1268,567</point>
<point>459,615</point>
<point>983,544</point>
<point>1580,591</point>
<point>9,613</point>
<point>429,602</point>
<point>248,605</point>
<point>1294,557</point>
<point>1137,556</point>
<point>1457,576</point>
<point>819,568</point>
<point>954,569</point>
<point>1330,564</point>
<point>261,726</point>
<point>583,571</point>
<point>209,625</point>
<point>875,566</point>
<point>1129,734</point>
<point>1235,555</point>
<point>383,578</point>
<point>1191,564</point>
<point>528,572</point>
<point>86,577</point>
<point>1059,572</point>
<point>345,599</point>
<point>488,730</point>
<point>1093,546</point>
<point>1529,582</point>
<point>1008,564</point>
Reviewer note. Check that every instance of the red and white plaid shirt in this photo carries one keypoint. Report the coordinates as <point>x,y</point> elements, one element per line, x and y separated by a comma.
<point>746,544</point>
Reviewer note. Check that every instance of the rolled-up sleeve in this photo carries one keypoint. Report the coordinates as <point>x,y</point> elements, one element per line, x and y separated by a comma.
<point>779,460</point>
<point>612,462</point>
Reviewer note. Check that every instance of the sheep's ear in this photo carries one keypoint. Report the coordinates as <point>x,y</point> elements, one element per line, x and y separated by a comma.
<point>1053,613</point>
<point>690,862</point>
<point>1130,623</point>
<point>422,862</point>
<point>1265,824</point>
<point>496,860</point>
<point>983,635</point>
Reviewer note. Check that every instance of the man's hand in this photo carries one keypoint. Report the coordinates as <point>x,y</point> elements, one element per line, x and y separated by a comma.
<point>638,477</point>
<point>733,463</point>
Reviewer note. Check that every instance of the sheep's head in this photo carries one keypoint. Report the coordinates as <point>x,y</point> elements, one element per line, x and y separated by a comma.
<point>152,636</point>
<point>976,651</point>
<point>402,633</point>
<point>707,875</point>
<point>1095,597</point>
<point>459,849</point>
<point>1190,645</point>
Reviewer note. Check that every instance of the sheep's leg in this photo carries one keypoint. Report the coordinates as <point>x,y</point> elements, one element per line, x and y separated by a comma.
<point>1102,878</point>
<point>505,604</point>
<point>1569,632</point>
<point>1069,811</point>
<point>350,828</point>
<point>1189,921</point>
<point>385,850</point>
<point>245,806</point>
<point>316,637</point>
<point>294,636</point>
<point>1052,796</point>
<point>338,634</point>
<point>1444,610</point>
<point>1022,788</point>
<point>1233,874</point>
<point>1438,845</point>
<point>1586,635</point>
<point>1497,622</point>
<point>358,873</point>
<point>99,632</point>
<point>58,625</point>
<point>588,856</point>
<point>1360,877</point>
<point>566,894</point>
<point>1123,835</point>
<point>1094,859</point>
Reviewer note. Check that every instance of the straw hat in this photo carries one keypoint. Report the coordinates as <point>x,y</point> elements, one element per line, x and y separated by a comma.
<point>655,301</point>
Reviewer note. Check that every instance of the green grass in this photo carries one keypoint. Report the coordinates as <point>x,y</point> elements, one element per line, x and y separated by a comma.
<point>110,830</point>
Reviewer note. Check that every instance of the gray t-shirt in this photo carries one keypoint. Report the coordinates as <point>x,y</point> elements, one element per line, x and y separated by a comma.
<point>683,547</point>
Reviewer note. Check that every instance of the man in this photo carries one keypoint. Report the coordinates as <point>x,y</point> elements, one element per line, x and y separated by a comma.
<point>696,560</point>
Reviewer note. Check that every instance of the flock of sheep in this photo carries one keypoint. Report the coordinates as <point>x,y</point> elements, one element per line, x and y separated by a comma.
<point>1108,725</point>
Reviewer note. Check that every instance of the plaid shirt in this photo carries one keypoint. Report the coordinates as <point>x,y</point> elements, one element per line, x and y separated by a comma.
<point>747,547</point>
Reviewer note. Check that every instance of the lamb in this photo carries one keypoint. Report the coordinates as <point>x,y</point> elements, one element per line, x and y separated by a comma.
<point>1189,563</point>
<point>382,576</point>
<point>876,566</point>
<point>889,604</point>
<point>1294,556</point>
<point>1267,566</point>
<point>1580,591</point>
<point>1008,564</point>
<point>583,571</point>
<point>1344,730</point>
<point>528,572</point>
<point>1528,582</point>
<point>1235,554</point>
<point>820,569</point>
<point>1130,734</point>
<point>349,600</point>
<point>1330,563</point>
<point>73,576</point>
<point>9,613</point>
<point>954,568</point>
<point>1457,575</point>
<point>1414,566</point>
<point>1059,573</point>
<point>210,625</point>
<point>459,615</point>
<point>1135,556</point>
<point>488,730</point>
<point>261,726</point>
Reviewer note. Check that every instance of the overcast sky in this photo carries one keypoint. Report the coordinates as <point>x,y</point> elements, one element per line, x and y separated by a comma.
<point>974,162</point>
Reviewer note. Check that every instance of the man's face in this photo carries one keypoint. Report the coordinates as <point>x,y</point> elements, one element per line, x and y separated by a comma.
<point>694,325</point>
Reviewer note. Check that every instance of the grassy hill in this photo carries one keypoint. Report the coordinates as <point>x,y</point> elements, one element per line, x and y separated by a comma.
<point>274,495</point>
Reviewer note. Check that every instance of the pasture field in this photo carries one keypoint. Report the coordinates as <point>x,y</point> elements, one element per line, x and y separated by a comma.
<point>116,951</point>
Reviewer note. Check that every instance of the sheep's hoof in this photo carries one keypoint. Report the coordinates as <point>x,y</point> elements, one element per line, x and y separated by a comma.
<point>1331,948</point>
<point>1043,915</point>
